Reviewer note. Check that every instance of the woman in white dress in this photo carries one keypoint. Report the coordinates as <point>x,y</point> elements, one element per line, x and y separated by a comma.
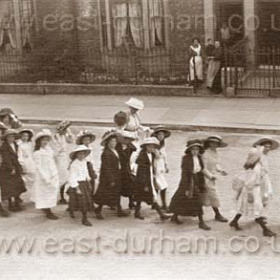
<point>252,188</point>
<point>195,63</point>
<point>211,170</point>
<point>25,156</point>
<point>62,138</point>
<point>160,163</point>
<point>46,186</point>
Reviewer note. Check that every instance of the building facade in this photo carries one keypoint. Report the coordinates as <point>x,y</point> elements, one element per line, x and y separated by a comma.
<point>115,41</point>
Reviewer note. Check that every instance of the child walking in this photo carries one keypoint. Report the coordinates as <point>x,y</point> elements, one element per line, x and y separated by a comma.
<point>145,185</point>
<point>187,199</point>
<point>61,139</point>
<point>25,155</point>
<point>12,184</point>
<point>161,165</point>
<point>253,188</point>
<point>86,138</point>
<point>46,186</point>
<point>79,191</point>
<point>211,169</point>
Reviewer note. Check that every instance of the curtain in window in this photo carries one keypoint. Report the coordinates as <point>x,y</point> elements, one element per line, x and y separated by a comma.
<point>136,27</point>
<point>156,16</point>
<point>120,23</point>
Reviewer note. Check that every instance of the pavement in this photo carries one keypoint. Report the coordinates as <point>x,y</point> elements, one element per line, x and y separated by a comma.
<point>242,115</point>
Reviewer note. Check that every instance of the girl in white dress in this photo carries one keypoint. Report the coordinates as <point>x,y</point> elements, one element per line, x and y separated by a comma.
<point>46,186</point>
<point>252,191</point>
<point>160,163</point>
<point>25,156</point>
<point>211,170</point>
<point>62,138</point>
<point>195,63</point>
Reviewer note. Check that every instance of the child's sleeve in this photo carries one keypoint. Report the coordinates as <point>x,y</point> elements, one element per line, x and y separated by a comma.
<point>73,179</point>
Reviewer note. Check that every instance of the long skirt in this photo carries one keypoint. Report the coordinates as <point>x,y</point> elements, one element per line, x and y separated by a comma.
<point>81,201</point>
<point>211,196</point>
<point>213,68</point>
<point>196,69</point>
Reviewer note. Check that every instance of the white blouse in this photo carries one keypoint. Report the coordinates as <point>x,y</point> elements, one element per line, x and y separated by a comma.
<point>196,165</point>
<point>78,173</point>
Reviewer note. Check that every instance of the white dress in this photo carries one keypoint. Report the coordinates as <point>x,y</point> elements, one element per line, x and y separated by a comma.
<point>25,157</point>
<point>249,198</point>
<point>160,164</point>
<point>46,187</point>
<point>60,143</point>
<point>196,64</point>
<point>211,169</point>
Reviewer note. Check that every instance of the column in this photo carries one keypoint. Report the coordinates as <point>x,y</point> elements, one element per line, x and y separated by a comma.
<point>250,28</point>
<point>108,25</point>
<point>209,19</point>
<point>17,24</point>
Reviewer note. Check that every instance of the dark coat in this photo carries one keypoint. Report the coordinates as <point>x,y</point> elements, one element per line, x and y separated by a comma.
<point>143,191</point>
<point>127,177</point>
<point>195,184</point>
<point>108,192</point>
<point>12,185</point>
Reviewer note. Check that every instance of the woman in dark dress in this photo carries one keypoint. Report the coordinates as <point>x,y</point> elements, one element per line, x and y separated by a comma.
<point>187,200</point>
<point>125,149</point>
<point>145,189</point>
<point>217,60</point>
<point>12,184</point>
<point>109,189</point>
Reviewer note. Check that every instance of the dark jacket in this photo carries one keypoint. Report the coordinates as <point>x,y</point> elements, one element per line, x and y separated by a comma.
<point>191,205</point>
<point>108,191</point>
<point>12,184</point>
<point>143,190</point>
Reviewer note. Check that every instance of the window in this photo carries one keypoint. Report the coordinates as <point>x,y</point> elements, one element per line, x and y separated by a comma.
<point>136,23</point>
<point>17,21</point>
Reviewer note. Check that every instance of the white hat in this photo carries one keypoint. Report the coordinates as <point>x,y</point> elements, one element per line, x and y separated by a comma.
<point>10,132</point>
<point>254,156</point>
<point>80,148</point>
<point>150,141</point>
<point>215,138</point>
<point>135,103</point>
<point>83,134</point>
<point>43,133</point>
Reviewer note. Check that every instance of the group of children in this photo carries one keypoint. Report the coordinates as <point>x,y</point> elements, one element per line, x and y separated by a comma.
<point>133,165</point>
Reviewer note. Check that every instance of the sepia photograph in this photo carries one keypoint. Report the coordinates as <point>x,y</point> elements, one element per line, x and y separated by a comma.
<point>139,139</point>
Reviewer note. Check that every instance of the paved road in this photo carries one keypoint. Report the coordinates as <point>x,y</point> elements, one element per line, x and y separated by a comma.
<point>195,111</point>
<point>110,265</point>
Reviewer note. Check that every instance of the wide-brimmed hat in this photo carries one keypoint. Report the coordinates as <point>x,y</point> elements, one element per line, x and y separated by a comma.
<point>6,112</point>
<point>195,143</point>
<point>9,132</point>
<point>108,135</point>
<point>85,133</point>
<point>28,131</point>
<point>263,141</point>
<point>216,139</point>
<point>62,126</point>
<point>43,133</point>
<point>135,103</point>
<point>120,118</point>
<point>80,148</point>
<point>253,156</point>
<point>150,141</point>
<point>161,128</point>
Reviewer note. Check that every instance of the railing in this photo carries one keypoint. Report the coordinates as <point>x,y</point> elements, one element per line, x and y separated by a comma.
<point>158,66</point>
<point>255,71</point>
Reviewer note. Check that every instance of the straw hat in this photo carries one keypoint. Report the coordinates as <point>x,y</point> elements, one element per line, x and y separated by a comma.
<point>135,103</point>
<point>43,133</point>
<point>216,139</point>
<point>6,112</point>
<point>9,132</point>
<point>195,143</point>
<point>161,128</point>
<point>120,118</point>
<point>150,141</point>
<point>28,131</point>
<point>85,133</point>
<point>62,126</point>
<point>109,134</point>
<point>263,141</point>
<point>80,148</point>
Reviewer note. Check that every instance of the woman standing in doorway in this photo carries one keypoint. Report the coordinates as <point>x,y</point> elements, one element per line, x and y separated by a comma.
<point>195,63</point>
